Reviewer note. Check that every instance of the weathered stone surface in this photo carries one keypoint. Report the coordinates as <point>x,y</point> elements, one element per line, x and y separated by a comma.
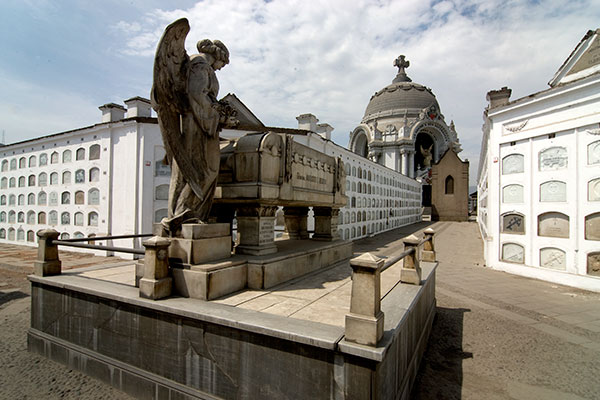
<point>553,258</point>
<point>513,223</point>
<point>206,283</point>
<point>553,191</point>
<point>198,251</point>
<point>512,164</point>
<point>204,231</point>
<point>594,190</point>
<point>593,264</point>
<point>513,252</point>
<point>553,158</point>
<point>592,227</point>
<point>512,194</point>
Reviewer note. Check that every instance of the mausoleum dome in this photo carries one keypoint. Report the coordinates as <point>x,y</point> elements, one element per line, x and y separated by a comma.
<point>401,97</point>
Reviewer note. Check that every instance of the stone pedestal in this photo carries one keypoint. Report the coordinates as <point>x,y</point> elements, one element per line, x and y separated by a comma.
<point>428,252</point>
<point>296,222</point>
<point>201,243</point>
<point>47,262</point>
<point>364,323</point>
<point>255,226</point>
<point>326,223</point>
<point>411,270</point>
<point>156,284</point>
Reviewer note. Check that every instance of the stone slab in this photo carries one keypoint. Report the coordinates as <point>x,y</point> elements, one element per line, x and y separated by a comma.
<point>205,231</point>
<point>208,282</point>
<point>198,251</point>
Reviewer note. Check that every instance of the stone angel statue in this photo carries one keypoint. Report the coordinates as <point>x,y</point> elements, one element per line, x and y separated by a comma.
<point>184,96</point>
<point>427,156</point>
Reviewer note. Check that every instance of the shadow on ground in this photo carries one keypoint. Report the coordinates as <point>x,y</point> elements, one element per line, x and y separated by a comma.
<point>5,297</point>
<point>440,375</point>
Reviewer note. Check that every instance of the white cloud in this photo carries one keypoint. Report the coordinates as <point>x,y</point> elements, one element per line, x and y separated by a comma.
<point>292,57</point>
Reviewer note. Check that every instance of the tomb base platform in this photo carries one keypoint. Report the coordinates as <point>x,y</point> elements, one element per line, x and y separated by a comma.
<point>183,348</point>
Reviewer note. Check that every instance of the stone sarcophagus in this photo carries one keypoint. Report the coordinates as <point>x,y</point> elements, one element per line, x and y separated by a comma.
<point>261,171</point>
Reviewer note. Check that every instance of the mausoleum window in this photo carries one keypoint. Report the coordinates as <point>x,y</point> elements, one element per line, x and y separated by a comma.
<point>160,214</point>
<point>21,200</point>
<point>80,154</point>
<point>449,185</point>
<point>2,233</point>
<point>31,199</point>
<point>3,216</point>
<point>12,199</point>
<point>43,179</point>
<point>4,165</point>
<point>21,181</point>
<point>80,176</point>
<point>93,196</point>
<point>65,198</point>
<point>93,219</point>
<point>21,217</point>
<point>53,218</point>
<point>32,161</point>
<point>31,217</point>
<point>41,218</point>
<point>31,180</point>
<point>20,234</point>
<point>30,236</point>
<point>79,197</point>
<point>22,162</point>
<point>94,175</point>
<point>53,198</point>
<point>3,200</point>
<point>43,159</point>
<point>11,233</point>
<point>162,192</point>
<point>54,178</point>
<point>54,158</point>
<point>66,177</point>
<point>95,152</point>
<point>3,183</point>
<point>12,217</point>
<point>78,219</point>
<point>65,236</point>
<point>13,164</point>
<point>78,235</point>
<point>42,198</point>
<point>65,218</point>
<point>66,156</point>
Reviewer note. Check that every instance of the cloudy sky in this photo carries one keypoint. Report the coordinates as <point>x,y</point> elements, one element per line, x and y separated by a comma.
<point>60,60</point>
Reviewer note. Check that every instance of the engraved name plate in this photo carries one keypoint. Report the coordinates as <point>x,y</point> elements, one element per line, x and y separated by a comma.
<point>512,194</point>
<point>553,191</point>
<point>553,158</point>
<point>553,224</point>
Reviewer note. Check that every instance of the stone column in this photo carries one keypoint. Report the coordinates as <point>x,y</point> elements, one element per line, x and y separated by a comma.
<point>411,164</point>
<point>156,284</point>
<point>403,164</point>
<point>326,223</point>
<point>364,323</point>
<point>428,252</point>
<point>256,230</point>
<point>47,262</point>
<point>296,222</point>
<point>411,270</point>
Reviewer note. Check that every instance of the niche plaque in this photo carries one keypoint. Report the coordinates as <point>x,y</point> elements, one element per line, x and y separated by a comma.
<point>594,153</point>
<point>513,252</point>
<point>553,258</point>
<point>594,190</point>
<point>553,224</point>
<point>513,223</point>
<point>553,158</point>
<point>553,191</point>
<point>512,164</point>
<point>592,227</point>
<point>593,264</point>
<point>512,194</point>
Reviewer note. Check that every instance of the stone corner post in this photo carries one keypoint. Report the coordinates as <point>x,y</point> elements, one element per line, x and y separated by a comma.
<point>326,223</point>
<point>411,270</point>
<point>428,252</point>
<point>156,284</point>
<point>47,262</point>
<point>364,323</point>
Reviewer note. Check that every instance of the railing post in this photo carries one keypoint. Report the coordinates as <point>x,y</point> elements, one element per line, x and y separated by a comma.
<point>411,270</point>
<point>47,262</point>
<point>428,252</point>
<point>156,284</point>
<point>364,323</point>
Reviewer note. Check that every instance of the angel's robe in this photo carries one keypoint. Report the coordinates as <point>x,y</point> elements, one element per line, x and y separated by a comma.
<point>200,136</point>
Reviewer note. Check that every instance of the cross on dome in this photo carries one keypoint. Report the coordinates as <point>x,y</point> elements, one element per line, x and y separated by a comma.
<point>401,62</point>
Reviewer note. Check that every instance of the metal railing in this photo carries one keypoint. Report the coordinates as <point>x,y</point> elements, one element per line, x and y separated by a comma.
<point>76,242</point>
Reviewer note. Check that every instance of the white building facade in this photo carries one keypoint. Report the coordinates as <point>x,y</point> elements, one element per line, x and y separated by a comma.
<point>539,176</point>
<point>100,180</point>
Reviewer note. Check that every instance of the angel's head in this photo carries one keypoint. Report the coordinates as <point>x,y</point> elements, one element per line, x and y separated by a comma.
<point>216,49</point>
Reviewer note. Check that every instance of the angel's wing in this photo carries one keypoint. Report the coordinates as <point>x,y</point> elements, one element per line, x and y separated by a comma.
<point>169,98</point>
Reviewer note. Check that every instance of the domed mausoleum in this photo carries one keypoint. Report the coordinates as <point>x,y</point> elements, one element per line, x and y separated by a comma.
<point>403,129</point>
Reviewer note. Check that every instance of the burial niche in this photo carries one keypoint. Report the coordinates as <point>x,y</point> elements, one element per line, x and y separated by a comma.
<point>512,164</point>
<point>592,226</point>
<point>553,224</point>
<point>513,252</point>
<point>513,223</point>
<point>553,258</point>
